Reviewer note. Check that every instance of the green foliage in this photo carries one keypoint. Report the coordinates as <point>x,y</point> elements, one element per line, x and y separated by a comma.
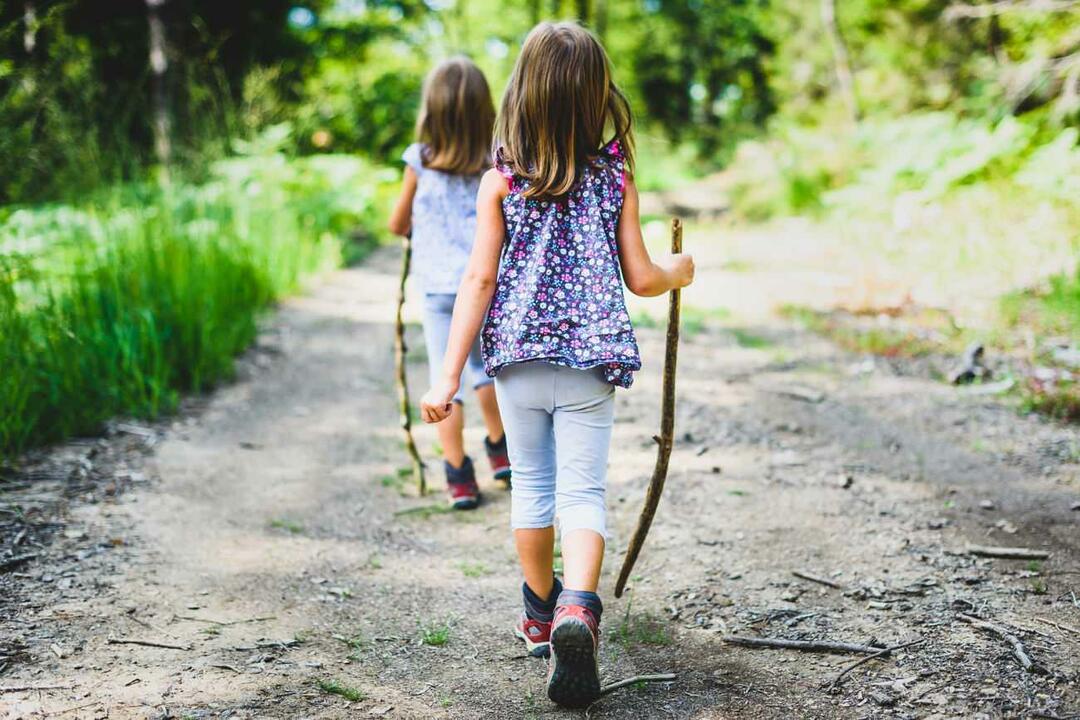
<point>335,687</point>
<point>117,307</point>
<point>435,634</point>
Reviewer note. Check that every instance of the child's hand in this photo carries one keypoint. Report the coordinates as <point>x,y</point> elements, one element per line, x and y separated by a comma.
<point>679,269</point>
<point>437,402</point>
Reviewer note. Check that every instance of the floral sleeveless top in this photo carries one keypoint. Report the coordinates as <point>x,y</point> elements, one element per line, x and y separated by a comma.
<point>559,294</point>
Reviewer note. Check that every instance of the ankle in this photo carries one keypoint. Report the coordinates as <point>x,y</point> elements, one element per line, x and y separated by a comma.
<point>538,607</point>
<point>582,598</point>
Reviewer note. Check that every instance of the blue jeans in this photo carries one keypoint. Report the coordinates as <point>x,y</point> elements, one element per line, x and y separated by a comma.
<point>438,309</point>
<point>558,431</point>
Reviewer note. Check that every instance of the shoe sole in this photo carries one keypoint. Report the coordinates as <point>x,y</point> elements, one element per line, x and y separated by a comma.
<point>465,503</point>
<point>535,649</point>
<point>574,681</point>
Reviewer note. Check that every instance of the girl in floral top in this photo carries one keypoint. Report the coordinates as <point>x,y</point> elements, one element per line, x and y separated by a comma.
<point>557,236</point>
<point>437,207</point>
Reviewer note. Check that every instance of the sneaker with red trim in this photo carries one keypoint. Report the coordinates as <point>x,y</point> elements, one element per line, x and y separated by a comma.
<point>499,459</point>
<point>461,488</point>
<point>573,673</point>
<point>535,633</point>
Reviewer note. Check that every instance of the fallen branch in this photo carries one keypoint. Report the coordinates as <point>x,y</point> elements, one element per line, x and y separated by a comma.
<point>147,643</point>
<point>1018,649</point>
<point>16,561</point>
<point>31,688</point>
<point>1059,626</point>
<point>813,578</point>
<point>822,646</point>
<point>612,687</point>
<point>667,426</point>
<point>400,350</point>
<point>1011,553</point>
<point>225,623</point>
<point>882,653</point>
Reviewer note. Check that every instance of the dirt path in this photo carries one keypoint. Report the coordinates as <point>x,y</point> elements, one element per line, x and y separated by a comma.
<point>266,535</point>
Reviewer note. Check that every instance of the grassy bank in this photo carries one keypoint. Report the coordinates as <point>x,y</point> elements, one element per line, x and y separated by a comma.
<point>953,230</point>
<point>120,306</point>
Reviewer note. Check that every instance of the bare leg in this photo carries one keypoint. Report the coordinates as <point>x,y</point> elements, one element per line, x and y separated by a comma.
<point>489,407</point>
<point>536,551</point>
<point>451,436</point>
<point>583,555</point>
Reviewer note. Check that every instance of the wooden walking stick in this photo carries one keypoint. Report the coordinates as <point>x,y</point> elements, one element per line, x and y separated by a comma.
<point>667,426</point>
<point>402,380</point>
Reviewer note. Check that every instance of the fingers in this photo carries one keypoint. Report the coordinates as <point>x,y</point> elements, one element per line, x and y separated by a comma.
<point>434,413</point>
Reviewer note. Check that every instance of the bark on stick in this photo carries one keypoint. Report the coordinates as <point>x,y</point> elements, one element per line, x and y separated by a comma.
<point>667,426</point>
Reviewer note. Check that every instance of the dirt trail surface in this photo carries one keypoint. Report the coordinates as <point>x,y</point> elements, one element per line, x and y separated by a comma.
<point>265,542</point>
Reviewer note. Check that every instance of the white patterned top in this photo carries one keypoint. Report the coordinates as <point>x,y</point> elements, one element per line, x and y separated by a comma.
<point>443,223</point>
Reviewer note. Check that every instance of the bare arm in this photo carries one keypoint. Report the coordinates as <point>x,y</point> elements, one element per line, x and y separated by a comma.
<point>401,216</point>
<point>641,274</point>
<point>473,297</point>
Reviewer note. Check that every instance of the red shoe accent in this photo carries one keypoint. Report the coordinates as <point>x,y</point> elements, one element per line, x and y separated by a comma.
<point>464,495</point>
<point>573,674</point>
<point>536,634</point>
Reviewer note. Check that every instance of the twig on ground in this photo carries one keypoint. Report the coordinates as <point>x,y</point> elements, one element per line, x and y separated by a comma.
<point>612,687</point>
<point>147,643</point>
<point>1059,626</point>
<point>223,666</point>
<point>16,561</point>
<point>31,688</point>
<point>887,651</point>
<point>1018,649</point>
<point>819,580</point>
<point>1009,553</point>
<point>822,646</point>
<point>224,623</point>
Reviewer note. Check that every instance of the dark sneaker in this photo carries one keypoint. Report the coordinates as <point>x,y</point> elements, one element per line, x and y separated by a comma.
<point>461,487</point>
<point>573,675</point>
<point>499,459</point>
<point>535,634</point>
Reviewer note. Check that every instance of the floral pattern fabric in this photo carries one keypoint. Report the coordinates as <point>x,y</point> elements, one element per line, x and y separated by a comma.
<point>559,294</point>
<point>443,224</point>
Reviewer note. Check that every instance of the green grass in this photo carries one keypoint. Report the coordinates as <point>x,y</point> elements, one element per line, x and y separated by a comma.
<point>291,526</point>
<point>749,340</point>
<point>119,307</point>
<point>886,342</point>
<point>473,569</point>
<point>435,634</point>
<point>334,687</point>
<point>643,629</point>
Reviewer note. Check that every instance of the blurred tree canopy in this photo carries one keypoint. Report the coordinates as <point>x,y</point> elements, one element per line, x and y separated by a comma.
<point>84,86</point>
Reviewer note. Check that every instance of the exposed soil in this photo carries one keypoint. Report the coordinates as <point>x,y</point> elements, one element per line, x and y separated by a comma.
<point>267,534</point>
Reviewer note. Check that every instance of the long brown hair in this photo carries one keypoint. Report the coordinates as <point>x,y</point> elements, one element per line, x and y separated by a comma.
<point>560,100</point>
<point>456,118</point>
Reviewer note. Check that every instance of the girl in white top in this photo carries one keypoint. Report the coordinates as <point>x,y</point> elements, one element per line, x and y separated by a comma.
<point>437,208</point>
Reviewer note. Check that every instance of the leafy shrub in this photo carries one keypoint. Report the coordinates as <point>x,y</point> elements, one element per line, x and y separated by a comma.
<point>119,307</point>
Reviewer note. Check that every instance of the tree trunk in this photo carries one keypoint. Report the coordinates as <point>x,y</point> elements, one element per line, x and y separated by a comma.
<point>534,12</point>
<point>159,65</point>
<point>556,9</point>
<point>583,11</point>
<point>600,21</point>
<point>30,27</point>
<point>844,79</point>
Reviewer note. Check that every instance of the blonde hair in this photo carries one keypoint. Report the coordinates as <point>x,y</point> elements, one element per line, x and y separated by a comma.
<point>560,100</point>
<point>456,118</point>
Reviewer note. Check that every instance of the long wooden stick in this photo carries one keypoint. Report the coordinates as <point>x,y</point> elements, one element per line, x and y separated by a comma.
<point>402,380</point>
<point>667,427</point>
<point>819,646</point>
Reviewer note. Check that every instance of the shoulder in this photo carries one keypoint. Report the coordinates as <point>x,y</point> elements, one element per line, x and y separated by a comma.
<point>494,184</point>
<point>414,156</point>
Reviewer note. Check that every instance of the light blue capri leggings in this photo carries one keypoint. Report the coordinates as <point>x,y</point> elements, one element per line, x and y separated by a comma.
<point>558,431</point>
<point>438,309</point>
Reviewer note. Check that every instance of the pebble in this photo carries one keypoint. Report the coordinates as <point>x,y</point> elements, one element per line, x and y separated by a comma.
<point>987,504</point>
